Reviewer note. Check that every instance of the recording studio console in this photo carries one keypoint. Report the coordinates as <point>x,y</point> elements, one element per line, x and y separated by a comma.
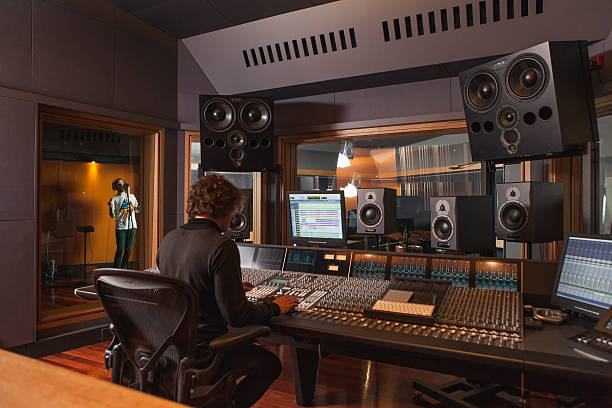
<point>464,300</point>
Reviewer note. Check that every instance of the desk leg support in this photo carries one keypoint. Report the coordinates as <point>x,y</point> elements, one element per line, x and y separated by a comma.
<point>305,364</point>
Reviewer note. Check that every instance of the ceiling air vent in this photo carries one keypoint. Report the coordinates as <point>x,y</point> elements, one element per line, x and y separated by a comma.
<point>442,17</point>
<point>300,48</point>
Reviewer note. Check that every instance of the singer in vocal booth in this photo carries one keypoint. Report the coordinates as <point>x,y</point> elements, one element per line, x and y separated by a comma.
<point>123,207</point>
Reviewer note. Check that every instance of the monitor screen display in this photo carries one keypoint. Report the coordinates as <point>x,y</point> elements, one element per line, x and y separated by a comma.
<point>246,255</point>
<point>317,217</point>
<point>584,278</point>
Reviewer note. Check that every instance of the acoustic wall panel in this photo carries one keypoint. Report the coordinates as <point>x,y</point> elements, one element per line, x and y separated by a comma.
<point>17,159</point>
<point>16,44</point>
<point>143,73</point>
<point>72,55</point>
<point>18,290</point>
<point>348,38</point>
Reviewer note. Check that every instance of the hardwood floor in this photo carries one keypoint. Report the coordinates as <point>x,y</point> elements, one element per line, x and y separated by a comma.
<point>342,381</point>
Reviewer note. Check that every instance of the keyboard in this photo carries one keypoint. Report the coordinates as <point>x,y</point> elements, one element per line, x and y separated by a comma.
<point>405,308</point>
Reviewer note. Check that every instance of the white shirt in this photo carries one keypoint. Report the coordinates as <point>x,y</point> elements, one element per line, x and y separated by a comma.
<point>119,204</point>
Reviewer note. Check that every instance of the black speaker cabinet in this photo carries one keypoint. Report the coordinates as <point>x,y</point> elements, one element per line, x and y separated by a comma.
<point>462,223</point>
<point>376,211</point>
<point>236,133</point>
<point>530,212</point>
<point>241,224</point>
<point>531,103</point>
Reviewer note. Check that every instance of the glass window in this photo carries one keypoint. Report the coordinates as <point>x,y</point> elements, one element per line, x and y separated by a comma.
<point>77,169</point>
<point>416,167</point>
<point>605,174</point>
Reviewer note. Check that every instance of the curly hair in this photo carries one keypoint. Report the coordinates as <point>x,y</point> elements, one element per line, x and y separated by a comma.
<point>213,196</point>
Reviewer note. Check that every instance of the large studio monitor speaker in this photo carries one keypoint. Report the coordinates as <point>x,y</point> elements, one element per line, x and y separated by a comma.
<point>236,133</point>
<point>376,211</point>
<point>462,223</point>
<point>241,224</point>
<point>531,103</point>
<point>530,212</point>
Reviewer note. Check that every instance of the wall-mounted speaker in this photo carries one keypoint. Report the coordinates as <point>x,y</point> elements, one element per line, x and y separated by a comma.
<point>532,103</point>
<point>236,133</point>
<point>462,223</point>
<point>376,211</point>
<point>241,224</point>
<point>529,212</point>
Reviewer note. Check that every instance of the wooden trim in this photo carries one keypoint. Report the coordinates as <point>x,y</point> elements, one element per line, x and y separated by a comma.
<point>257,208</point>
<point>90,119</point>
<point>66,320</point>
<point>150,174</point>
<point>603,105</point>
<point>414,129</point>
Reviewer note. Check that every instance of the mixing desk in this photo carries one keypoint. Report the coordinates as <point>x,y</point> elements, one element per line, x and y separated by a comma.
<point>407,298</point>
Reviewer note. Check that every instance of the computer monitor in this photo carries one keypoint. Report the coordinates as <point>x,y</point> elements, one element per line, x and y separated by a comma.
<point>317,218</point>
<point>584,276</point>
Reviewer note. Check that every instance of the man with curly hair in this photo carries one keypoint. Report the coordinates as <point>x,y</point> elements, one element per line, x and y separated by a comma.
<point>199,254</point>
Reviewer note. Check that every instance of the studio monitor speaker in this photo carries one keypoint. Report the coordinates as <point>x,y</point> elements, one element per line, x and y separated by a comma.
<point>376,211</point>
<point>241,224</point>
<point>530,212</point>
<point>462,223</point>
<point>535,102</point>
<point>236,133</point>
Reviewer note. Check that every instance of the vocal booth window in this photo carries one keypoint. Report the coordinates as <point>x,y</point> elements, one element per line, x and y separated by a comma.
<point>85,214</point>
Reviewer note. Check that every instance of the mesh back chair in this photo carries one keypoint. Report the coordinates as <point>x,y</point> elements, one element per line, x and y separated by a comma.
<point>154,321</point>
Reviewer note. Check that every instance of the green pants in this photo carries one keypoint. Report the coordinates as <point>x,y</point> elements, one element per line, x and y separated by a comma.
<point>125,240</point>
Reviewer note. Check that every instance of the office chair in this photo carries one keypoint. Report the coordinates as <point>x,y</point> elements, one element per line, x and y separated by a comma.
<point>154,320</point>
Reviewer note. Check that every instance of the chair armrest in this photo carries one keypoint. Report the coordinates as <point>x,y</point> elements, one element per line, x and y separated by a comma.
<point>238,337</point>
<point>87,293</point>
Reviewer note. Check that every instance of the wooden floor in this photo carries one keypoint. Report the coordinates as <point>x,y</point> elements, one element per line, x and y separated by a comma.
<point>342,381</point>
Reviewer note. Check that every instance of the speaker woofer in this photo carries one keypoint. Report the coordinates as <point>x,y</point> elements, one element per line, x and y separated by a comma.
<point>526,77</point>
<point>443,228</point>
<point>255,115</point>
<point>218,115</point>
<point>370,215</point>
<point>482,91</point>
<point>238,223</point>
<point>513,216</point>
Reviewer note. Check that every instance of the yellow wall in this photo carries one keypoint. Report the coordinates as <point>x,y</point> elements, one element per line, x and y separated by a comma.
<point>76,193</point>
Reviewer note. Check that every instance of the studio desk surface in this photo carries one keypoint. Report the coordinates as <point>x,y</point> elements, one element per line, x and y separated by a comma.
<point>540,360</point>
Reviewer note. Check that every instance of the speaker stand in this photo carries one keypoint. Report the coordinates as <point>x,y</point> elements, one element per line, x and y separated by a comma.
<point>84,274</point>
<point>529,246</point>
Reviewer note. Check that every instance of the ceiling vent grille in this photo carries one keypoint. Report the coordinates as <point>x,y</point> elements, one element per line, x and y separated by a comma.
<point>394,29</point>
<point>300,48</point>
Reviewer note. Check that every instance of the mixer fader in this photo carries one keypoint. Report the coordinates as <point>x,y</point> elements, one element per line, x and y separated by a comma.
<point>408,267</point>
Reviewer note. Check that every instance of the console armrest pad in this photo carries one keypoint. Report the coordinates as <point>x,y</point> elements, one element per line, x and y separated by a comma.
<point>87,293</point>
<point>242,335</point>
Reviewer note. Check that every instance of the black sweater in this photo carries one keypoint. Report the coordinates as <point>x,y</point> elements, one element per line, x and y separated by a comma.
<point>199,254</point>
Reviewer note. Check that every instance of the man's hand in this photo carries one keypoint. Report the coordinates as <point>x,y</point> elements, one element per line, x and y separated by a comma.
<point>286,303</point>
<point>247,286</point>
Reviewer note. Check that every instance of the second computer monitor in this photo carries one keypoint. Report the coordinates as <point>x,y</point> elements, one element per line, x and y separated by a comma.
<point>317,218</point>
